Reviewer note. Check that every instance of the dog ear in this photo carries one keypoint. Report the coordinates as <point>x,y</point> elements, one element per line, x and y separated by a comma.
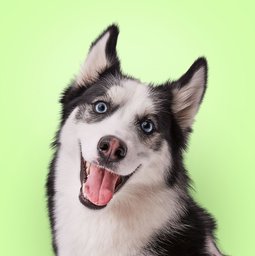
<point>188,92</point>
<point>102,56</point>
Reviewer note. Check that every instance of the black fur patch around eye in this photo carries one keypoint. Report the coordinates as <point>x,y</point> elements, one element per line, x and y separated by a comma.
<point>152,141</point>
<point>87,113</point>
<point>97,92</point>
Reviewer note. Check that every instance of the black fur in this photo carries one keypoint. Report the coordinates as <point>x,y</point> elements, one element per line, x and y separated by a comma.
<point>111,53</point>
<point>184,80</point>
<point>50,190</point>
<point>94,93</point>
<point>111,43</point>
<point>188,241</point>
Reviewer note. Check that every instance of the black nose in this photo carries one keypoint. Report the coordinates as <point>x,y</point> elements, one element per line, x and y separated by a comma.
<point>112,148</point>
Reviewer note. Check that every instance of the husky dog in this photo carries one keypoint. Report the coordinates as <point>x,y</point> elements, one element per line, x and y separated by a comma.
<point>117,185</point>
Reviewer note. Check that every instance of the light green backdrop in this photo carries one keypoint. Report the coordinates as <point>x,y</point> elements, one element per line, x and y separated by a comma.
<point>41,46</point>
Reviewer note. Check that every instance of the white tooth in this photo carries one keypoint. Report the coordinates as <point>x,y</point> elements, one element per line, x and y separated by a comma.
<point>83,191</point>
<point>89,168</point>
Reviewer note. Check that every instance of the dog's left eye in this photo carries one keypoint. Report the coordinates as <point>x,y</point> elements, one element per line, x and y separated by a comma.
<point>100,107</point>
<point>147,126</point>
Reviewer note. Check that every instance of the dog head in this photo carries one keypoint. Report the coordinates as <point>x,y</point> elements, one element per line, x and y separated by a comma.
<point>129,133</point>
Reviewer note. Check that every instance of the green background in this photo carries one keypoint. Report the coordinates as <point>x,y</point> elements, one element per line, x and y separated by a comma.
<point>41,47</point>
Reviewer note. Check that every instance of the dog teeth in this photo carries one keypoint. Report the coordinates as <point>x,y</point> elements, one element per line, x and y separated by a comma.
<point>87,168</point>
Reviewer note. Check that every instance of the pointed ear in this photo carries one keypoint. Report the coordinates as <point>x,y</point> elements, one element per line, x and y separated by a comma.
<point>188,92</point>
<point>102,55</point>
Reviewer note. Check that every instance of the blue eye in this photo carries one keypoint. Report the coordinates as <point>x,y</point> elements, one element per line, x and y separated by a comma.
<point>101,107</point>
<point>147,126</point>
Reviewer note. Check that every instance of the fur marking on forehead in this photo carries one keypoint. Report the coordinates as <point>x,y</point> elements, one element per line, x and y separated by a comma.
<point>133,95</point>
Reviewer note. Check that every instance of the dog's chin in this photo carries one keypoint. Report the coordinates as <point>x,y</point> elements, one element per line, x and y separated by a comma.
<point>99,184</point>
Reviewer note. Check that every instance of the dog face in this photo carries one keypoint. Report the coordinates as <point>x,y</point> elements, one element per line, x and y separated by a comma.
<point>126,115</point>
<point>127,131</point>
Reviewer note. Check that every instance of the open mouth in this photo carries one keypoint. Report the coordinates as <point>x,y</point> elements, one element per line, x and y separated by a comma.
<point>99,184</point>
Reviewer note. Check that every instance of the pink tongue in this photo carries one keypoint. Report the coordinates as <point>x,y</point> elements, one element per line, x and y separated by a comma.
<point>100,185</point>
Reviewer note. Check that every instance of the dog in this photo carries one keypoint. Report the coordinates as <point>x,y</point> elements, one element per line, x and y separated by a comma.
<point>117,185</point>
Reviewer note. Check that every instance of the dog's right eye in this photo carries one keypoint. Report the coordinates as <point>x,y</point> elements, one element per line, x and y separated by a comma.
<point>100,107</point>
<point>147,126</point>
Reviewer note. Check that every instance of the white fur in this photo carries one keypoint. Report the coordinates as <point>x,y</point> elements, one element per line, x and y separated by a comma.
<point>137,211</point>
<point>145,205</point>
<point>124,226</point>
<point>135,101</point>
<point>186,99</point>
<point>95,62</point>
